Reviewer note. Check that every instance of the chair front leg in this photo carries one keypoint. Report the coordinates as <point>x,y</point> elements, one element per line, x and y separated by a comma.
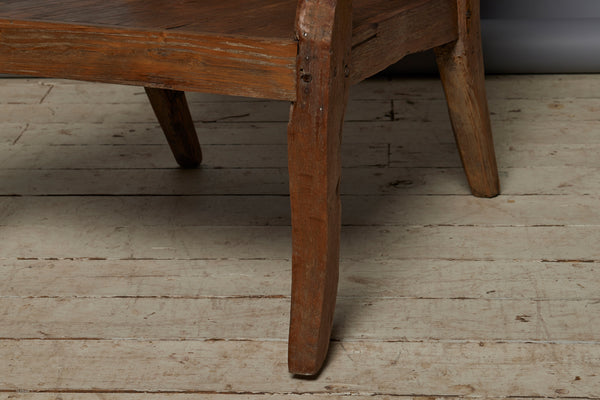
<point>314,137</point>
<point>462,73</point>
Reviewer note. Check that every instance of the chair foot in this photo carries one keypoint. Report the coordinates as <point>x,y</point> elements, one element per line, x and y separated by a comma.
<point>173,114</point>
<point>462,73</point>
<point>314,136</point>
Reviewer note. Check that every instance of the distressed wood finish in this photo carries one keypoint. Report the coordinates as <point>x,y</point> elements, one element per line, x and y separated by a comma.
<point>235,318</point>
<point>304,51</point>
<point>521,281</point>
<point>397,30</point>
<point>203,45</point>
<point>171,109</point>
<point>209,368</point>
<point>462,73</point>
<point>257,67</point>
<point>314,139</point>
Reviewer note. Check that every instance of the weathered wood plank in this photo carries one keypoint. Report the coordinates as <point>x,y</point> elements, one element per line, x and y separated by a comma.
<point>429,150</point>
<point>505,110</point>
<point>498,87</point>
<point>474,369</point>
<point>248,66</point>
<point>466,210</point>
<point>232,111</point>
<point>159,156</point>
<point>567,210</point>
<point>505,87</point>
<point>400,133</point>
<point>161,182</point>
<point>438,242</point>
<point>21,91</point>
<point>268,318</point>
<point>405,155</point>
<point>150,278</point>
<point>209,17</point>
<point>520,155</point>
<point>10,133</point>
<point>273,111</point>
<point>273,181</point>
<point>411,278</point>
<point>221,396</point>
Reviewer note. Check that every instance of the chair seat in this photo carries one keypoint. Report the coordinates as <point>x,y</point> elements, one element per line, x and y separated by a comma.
<point>249,18</point>
<point>243,47</point>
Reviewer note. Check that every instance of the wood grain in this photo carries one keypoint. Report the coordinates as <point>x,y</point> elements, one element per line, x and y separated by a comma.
<point>462,72</point>
<point>214,112</point>
<point>543,243</point>
<point>272,210</point>
<point>214,367</point>
<point>157,155</point>
<point>256,318</point>
<point>498,87</point>
<point>165,59</point>
<point>427,116</point>
<point>243,278</point>
<point>314,146</point>
<point>393,33</point>
<point>203,45</point>
<point>553,180</point>
<point>222,396</point>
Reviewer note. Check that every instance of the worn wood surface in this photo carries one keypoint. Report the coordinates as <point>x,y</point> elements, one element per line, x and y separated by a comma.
<point>192,395</point>
<point>163,58</point>
<point>442,295</point>
<point>543,180</point>
<point>208,45</point>
<point>267,278</point>
<point>357,318</point>
<point>456,368</point>
<point>395,32</point>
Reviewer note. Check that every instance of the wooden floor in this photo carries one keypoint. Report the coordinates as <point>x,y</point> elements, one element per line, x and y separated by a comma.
<point>124,277</point>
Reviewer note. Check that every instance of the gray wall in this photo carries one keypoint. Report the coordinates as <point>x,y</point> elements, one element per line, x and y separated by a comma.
<point>532,36</point>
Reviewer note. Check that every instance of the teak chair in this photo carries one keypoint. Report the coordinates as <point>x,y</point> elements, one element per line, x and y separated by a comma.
<point>305,51</point>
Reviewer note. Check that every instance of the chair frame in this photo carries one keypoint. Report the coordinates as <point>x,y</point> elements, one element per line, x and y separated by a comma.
<point>314,72</point>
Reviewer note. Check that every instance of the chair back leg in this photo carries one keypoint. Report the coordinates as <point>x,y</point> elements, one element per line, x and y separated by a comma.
<point>172,111</point>
<point>462,73</point>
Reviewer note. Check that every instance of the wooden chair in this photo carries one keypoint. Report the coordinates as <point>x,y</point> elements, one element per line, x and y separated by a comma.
<point>306,51</point>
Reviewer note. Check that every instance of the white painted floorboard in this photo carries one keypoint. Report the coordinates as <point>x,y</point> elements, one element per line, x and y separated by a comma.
<point>124,277</point>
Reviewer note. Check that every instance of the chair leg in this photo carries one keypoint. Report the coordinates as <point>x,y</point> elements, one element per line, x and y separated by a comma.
<point>462,72</point>
<point>314,136</point>
<point>315,171</point>
<point>171,109</point>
